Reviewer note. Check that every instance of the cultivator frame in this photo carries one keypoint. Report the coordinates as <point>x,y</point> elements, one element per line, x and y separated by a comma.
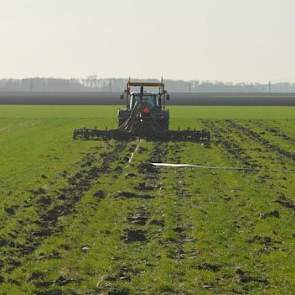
<point>139,121</point>
<point>171,135</point>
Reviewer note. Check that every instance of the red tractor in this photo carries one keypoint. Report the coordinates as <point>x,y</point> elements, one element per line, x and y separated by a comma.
<point>145,116</point>
<point>145,112</point>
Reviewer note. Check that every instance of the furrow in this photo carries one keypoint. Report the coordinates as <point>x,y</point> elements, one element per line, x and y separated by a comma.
<point>136,261</point>
<point>51,206</point>
<point>262,140</point>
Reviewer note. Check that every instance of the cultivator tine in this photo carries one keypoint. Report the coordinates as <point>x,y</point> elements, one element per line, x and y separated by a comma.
<point>172,135</point>
<point>189,135</point>
<point>93,134</point>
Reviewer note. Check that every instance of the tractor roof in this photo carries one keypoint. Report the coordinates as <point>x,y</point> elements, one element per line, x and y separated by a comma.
<point>145,84</point>
<point>145,93</point>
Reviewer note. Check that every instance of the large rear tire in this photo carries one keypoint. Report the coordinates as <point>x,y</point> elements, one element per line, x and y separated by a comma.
<point>123,115</point>
<point>164,122</point>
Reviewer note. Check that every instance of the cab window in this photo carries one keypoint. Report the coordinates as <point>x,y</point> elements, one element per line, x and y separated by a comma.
<point>149,100</point>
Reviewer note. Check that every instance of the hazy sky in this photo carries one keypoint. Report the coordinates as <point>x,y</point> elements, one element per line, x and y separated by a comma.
<point>229,40</point>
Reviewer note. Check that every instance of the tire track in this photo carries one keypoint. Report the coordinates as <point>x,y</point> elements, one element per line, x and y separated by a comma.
<point>234,146</point>
<point>276,183</point>
<point>180,199</point>
<point>223,139</point>
<point>52,206</point>
<point>85,215</point>
<point>277,132</point>
<point>273,186</point>
<point>138,231</point>
<point>260,139</point>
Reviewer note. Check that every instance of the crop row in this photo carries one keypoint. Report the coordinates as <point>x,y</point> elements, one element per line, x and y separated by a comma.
<point>116,226</point>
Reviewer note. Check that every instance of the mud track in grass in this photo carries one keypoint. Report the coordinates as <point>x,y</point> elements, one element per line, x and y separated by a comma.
<point>222,138</point>
<point>233,148</point>
<point>276,132</point>
<point>266,154</point>
<point>248,150</point>
<point>155,232</point>
<point>137,234</point>
<point>260,139</point>
<point>157,227</point>
<point>53,205</point>
<point>175,244</point>
<point>268,183</point>
<point>254,153</point>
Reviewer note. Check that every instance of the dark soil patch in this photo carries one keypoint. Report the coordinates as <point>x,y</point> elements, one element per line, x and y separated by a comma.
<point>134,235</point>
<point>2,280</point>
<point>36,275</point>
<point>4,242</point>
<point>10,211</point>
<point>44,200</point>
<point>119,291</point>
<point>146,168</point>
<point>131,175</point>
<point>285,202</point>
<point>143,186</point>
<point>63,281</point>
<point>99,195</point>
<point>245,277</point>
<point>130,195</point>
<point>275,214</point>
<point>266,241</point>
<point>50,292</point>
<point>210,267</point>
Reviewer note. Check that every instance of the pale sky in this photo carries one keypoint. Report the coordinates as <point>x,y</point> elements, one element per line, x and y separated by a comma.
<point>228,40</point>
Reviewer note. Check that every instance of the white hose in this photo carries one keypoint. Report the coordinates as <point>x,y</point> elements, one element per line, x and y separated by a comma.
<point>217,167</point>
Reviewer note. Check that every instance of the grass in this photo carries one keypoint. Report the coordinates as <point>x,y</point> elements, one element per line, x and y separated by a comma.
<point>69,209</point>
<point>177,112</point>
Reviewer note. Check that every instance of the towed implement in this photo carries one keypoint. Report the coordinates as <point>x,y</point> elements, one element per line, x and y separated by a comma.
<point>145,116</point>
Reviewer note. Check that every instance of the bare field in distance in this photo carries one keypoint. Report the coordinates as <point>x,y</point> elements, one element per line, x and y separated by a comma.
<point>102,98</point>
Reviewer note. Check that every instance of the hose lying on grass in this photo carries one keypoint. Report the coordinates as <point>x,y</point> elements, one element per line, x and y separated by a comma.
<point>218,167</point>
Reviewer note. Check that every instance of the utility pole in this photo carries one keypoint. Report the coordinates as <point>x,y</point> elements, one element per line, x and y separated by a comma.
<point>269,86</point>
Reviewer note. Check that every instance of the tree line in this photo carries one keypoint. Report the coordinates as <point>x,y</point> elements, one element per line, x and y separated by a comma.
<point>93,84</point>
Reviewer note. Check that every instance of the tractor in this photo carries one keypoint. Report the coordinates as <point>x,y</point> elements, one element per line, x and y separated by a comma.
<point>145,116</point>
<point>145,112</point>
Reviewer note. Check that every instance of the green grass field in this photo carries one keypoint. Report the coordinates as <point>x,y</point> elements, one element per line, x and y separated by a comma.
<point>77,218</point>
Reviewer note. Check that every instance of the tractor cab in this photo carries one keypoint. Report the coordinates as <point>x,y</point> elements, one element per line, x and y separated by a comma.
<point>144,116</point>
<point>145,109</point>
<point>149,100</point>
<point>155,99</point>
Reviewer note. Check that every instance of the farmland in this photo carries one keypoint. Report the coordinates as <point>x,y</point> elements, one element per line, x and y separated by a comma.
<point>177,98</point>
<point>78,217</point>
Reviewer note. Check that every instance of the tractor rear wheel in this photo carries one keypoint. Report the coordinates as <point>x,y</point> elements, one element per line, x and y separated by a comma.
<point>123,115</point>
<point>164,121</point>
